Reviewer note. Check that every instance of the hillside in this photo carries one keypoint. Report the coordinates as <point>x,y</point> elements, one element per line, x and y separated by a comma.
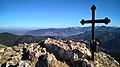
<point>9,39</point>
<point>53,53</point>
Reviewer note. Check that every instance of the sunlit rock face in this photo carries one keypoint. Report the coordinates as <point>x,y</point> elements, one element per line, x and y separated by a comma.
<point>53,53</point>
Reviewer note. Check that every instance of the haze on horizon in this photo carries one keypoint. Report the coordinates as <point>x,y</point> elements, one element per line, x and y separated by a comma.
<point>55,13</point>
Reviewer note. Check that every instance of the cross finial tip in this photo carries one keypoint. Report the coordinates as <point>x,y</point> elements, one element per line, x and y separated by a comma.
<point>107,20</point>
<point>93,7</point>
<point>82,21</point>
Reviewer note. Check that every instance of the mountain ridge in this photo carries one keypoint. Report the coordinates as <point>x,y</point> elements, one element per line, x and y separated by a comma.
<point>66,32</point>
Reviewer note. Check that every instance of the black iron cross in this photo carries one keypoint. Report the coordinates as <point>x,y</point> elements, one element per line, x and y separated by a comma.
<point>93,21</point>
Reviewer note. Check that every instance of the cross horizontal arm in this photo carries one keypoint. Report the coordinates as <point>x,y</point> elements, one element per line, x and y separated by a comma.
<point>106,21</point>
<point>85,21</point>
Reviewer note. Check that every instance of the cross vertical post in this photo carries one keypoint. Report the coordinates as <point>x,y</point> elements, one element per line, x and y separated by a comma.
<point>93,21</point>
<point>93,27</point>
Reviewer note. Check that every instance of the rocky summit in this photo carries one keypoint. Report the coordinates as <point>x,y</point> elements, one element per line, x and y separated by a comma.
<point>53,53</point>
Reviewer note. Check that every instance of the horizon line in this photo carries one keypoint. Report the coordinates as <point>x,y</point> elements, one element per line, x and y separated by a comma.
<point>22,28</point>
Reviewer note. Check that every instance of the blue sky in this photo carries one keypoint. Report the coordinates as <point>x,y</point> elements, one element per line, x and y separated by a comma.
<point>55,13</point>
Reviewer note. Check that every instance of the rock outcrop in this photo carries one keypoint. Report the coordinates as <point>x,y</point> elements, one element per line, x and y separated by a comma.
<point>53,53</point>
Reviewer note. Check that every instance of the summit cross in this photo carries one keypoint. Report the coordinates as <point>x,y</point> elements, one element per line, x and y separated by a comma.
<point>93,21</point>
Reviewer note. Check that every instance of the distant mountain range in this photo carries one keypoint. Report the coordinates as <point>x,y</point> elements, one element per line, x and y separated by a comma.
<point>14,31</point>
<point>60,32</point>
<point>66,32</point>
